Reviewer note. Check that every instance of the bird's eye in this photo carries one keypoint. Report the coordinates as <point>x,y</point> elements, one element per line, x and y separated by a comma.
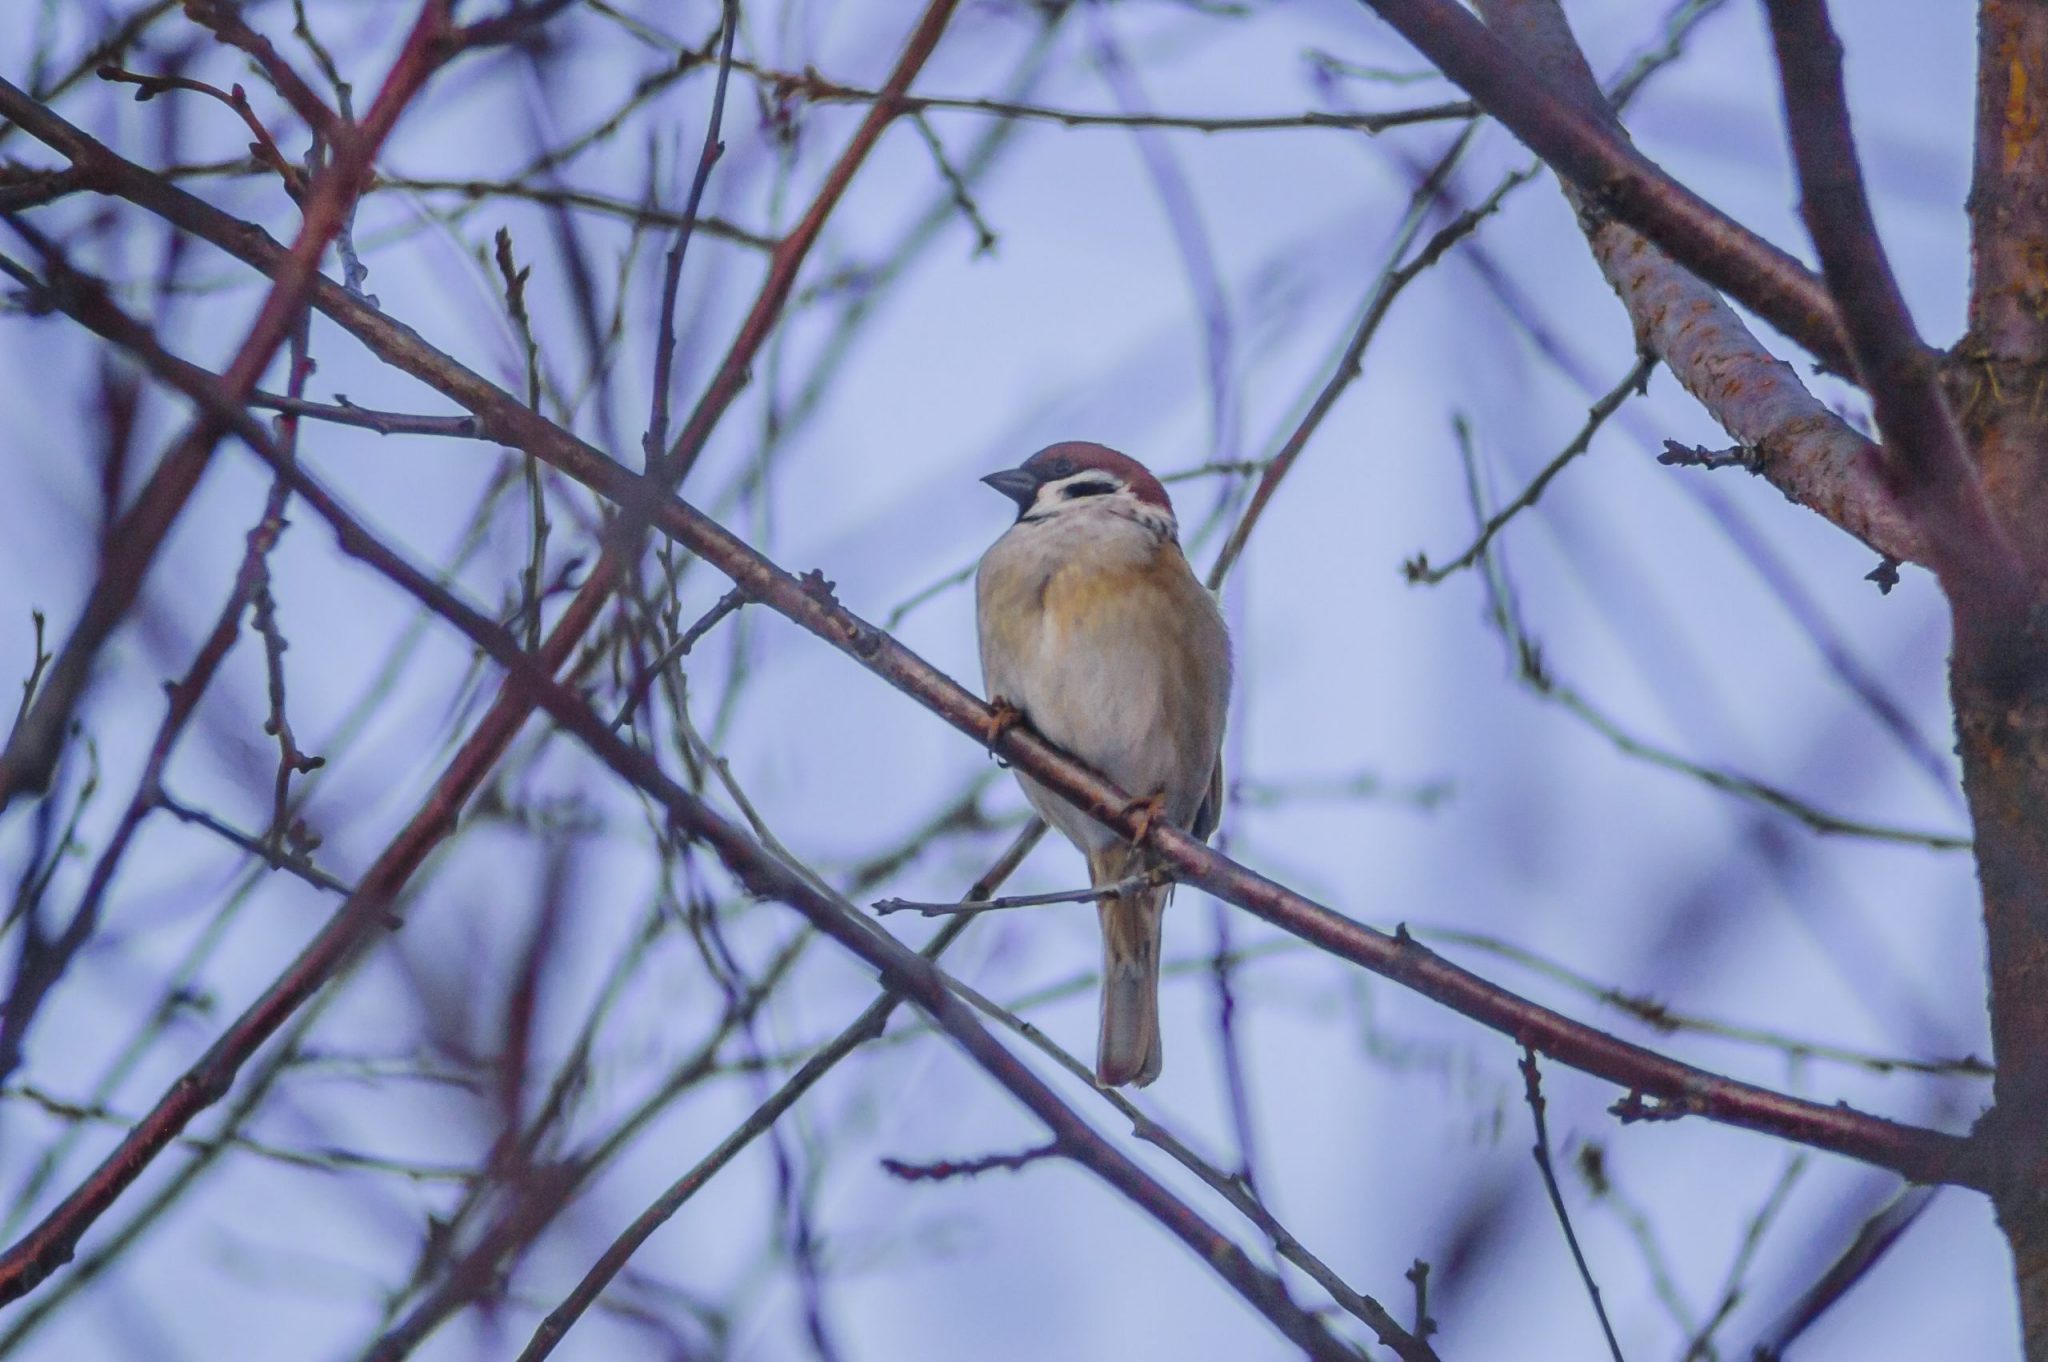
<point>1087,489</point>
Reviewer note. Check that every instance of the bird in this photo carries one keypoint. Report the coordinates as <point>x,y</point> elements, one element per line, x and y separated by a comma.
<point>1096,632</point>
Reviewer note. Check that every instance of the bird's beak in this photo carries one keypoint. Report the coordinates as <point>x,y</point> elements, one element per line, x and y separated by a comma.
<point>1017,484</point>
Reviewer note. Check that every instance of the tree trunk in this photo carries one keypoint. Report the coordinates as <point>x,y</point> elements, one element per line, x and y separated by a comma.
<point>1999,380</point>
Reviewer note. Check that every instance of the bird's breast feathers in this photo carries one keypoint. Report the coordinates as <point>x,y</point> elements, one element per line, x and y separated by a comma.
<point>1114,651</point>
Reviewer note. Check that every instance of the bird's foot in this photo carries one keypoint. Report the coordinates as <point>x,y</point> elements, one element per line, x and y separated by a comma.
<point>1148,811</point>
<point>1004,717</point>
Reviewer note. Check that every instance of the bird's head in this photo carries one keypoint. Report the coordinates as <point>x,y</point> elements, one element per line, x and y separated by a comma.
<point>1078,479</point>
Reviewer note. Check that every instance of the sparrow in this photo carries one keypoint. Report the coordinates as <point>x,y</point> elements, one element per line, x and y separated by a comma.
<point>1096,632</point>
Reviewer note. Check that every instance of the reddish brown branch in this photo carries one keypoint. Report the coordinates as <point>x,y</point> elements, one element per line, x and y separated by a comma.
<point>131,546</point>
<point>264,149</point>
<point>1584,148</point>
<point>51,1242</point>
<point>759,873</point>
<point>2008,201</point>
<point>1918,1153</point>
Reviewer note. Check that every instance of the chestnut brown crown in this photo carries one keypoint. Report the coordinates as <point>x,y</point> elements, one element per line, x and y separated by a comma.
<point>1058,462</point>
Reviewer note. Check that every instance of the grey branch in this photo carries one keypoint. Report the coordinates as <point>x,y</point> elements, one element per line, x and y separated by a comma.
<point>1130,883</point>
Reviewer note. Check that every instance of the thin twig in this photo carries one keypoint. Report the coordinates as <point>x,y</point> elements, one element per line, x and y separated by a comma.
<point>865,1027</point>
<point>557,196</point>
<point>1874,1238</point>
<point>342,412</point>
<point>1700,1342</point>
<point>292,860</point>
<point>36,668</point>
<point>264,149</point>
<point>946,1169</point>
<point>688,639</point>
<point>665,333</point>
<point>1533,670</point>
<point>1420,569</point>
<point>1592,1164</point>
<point>984,235</point>
<point>1418,1274</point>
<point>809,85</point>
<point>224,19</point>
<point>1678,455</point>
<point>1532,1088</point>
<point>1149,879</point>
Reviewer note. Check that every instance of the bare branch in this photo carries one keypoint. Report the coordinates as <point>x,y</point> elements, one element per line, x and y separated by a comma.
<point>1921,1154</point>
<point>224,20</point>
<point>264,149</point>
<point>1149,879</point>
<point>947,1169</point>
<point>342,412</point>
<point>665,333</point>
<point>1925,461</point>
<point>1806,451</point>
<point>1420,569</point>
<point>1585,149</point>
<point>1532,1090</point>
<point>31,749</point>
<point>809,85</point>
<point>52,1241</point>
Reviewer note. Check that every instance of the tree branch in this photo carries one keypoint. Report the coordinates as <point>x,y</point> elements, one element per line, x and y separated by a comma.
<point>866,1027</point>
<point>1925,462</point>
<point>52,1241</point>
<point>1805,450</point>
<point>1585,149</point>
<point>1532,1091</point>
<point>31,751</point>
<point>1919,1154</point>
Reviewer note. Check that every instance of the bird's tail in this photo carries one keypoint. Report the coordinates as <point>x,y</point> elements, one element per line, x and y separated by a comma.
<point>1128,1050</point>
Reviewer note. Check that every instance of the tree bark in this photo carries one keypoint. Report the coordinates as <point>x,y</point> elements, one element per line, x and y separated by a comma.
<point>1999,380</point>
